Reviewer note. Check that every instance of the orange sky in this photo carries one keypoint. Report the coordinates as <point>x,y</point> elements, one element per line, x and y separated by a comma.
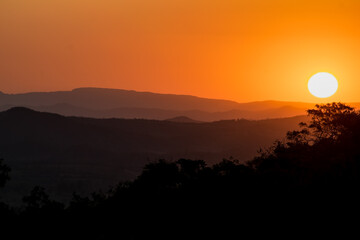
<point>240,50</point>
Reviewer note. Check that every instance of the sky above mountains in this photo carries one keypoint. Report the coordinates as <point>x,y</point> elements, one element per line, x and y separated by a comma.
<point>229,49</point>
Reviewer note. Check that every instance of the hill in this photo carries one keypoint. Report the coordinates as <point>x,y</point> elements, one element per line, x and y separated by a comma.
<point>66,154</point>
<point>117,103</point>
<point>182,119</point>
<point>101,98</point>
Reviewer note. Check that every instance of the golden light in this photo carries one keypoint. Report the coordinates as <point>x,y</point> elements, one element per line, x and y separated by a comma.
<point>322,85</point>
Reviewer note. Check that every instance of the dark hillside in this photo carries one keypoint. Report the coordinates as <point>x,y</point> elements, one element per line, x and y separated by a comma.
<point>66,154</point>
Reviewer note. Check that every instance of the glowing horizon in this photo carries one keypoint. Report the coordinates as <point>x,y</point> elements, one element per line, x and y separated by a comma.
<point>238,50</point>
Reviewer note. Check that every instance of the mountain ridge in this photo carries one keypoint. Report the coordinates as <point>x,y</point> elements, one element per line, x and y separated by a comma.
<point>120,103</point>
<point>77,154</point>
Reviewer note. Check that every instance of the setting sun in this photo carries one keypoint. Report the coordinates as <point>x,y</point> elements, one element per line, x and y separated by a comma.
<point>322,85</point>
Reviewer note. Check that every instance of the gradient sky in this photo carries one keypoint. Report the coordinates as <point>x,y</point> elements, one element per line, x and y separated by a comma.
<point>243,50</point>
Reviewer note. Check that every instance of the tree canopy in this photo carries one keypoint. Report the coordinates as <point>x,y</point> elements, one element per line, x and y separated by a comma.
<point>322,159</point>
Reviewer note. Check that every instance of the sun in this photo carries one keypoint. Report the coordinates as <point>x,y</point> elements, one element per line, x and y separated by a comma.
<point>322,85</point>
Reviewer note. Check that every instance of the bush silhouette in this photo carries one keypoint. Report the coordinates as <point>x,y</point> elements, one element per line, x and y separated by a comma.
<point>322,159</point>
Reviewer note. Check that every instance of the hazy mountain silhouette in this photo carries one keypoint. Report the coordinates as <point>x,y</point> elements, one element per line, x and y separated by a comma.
<point>115,103</point>
<point>183,119</point>
<point>161,114</point>
<point>100,98</point>
<point>66,154</point>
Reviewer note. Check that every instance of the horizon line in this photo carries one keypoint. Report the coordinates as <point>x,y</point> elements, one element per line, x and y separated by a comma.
<point>176,94</point>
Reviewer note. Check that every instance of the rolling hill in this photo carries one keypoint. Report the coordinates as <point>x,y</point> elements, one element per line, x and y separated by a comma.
<point>67,154</point>
<point>116,103</point>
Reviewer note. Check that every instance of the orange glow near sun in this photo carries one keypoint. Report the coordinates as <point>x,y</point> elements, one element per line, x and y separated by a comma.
<point>229,49</point>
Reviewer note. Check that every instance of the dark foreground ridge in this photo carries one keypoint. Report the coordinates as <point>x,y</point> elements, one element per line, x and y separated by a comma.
<point>67,154</point>
<point>315,168</point>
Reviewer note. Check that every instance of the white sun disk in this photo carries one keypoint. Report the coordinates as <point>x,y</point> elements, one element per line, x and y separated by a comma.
<point>322,85</point>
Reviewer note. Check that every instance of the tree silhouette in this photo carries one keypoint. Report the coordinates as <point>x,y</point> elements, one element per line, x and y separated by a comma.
<point>328,122</point>
<point>323,155</point>
<point>39,200</point>
<point>191,167</point>
<point>321,159</point>
<point>159,175</point>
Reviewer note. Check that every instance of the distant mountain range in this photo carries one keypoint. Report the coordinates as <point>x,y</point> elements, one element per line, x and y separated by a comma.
<point>114,103</point>
<point>67,154</point>
<point>93,148</point>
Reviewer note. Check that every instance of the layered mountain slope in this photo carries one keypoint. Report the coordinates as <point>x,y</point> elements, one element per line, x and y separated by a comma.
<point>67,154</point>
<point>116,103</point>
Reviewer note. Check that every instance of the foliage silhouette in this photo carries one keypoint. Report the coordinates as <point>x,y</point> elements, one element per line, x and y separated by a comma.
<point>40,200</point>
<point>322,157</point>
<point>328,122</point>
<point>320,161</point>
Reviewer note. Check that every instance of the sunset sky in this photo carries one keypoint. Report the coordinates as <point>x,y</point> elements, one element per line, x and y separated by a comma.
<point>242,50</point>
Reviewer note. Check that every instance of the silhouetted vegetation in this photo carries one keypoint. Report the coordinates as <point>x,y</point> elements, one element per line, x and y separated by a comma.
<point>319,161</point>
<point>322,157</point>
